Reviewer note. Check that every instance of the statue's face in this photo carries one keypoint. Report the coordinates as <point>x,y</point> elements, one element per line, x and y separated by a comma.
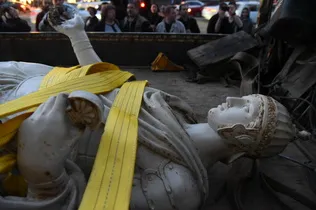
<point>235,111</point>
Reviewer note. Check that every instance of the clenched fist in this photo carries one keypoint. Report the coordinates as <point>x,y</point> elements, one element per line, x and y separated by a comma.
<point>45,140</point>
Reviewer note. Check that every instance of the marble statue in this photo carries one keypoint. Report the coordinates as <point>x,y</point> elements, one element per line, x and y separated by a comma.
<point>173,152</point>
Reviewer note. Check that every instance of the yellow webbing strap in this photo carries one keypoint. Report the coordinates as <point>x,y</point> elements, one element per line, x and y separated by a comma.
<point>110,182</point>
<point>101,78</point>
<point>95,83</point>
<point>59,74</point>
<point>9,160</point>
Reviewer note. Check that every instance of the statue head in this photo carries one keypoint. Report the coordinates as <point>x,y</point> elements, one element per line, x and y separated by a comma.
<point>253,125</point>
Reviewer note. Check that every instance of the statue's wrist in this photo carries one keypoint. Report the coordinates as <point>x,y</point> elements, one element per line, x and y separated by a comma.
<point>53,188</point>
<point>80,42</point>
<point>78,36</point>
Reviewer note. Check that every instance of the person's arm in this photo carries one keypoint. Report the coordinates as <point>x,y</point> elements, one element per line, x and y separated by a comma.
<point>39,18</point>
<point>182,28</point>
<point>99,27</point>
<point>251,27</point>
<point>95,23</point>
<point>218,25</point>
<point>211,25</point>
<point>44,25</point>
<point>195,27</point>
<point>123,25</point>
<point>158,28</point>
<point>118,26</point>
<point>238,21</point>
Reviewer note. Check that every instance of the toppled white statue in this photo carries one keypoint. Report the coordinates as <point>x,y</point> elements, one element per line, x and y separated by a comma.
<point>173,151</point>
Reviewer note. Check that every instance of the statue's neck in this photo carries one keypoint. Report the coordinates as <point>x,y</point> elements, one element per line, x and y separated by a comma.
<point>211,147</point>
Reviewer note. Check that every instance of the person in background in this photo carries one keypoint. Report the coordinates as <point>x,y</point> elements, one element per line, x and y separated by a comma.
<point>108,21</point>
<point>120,9</point>
<point>162,11</point>
<point>170,24</point>
<point>91,21</point>
<point>154,17</point>
<point>134,22</point>
<point>11,22</point>
<point>189,22</point>
<point>225,21</point>
<point>40,16</point>
<point>247,22</point>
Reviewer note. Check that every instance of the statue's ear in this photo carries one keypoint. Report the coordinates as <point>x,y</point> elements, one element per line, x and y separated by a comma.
<point>239,135</point>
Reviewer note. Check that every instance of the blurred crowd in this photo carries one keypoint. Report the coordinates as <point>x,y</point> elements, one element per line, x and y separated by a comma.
<point>227,22</point>
<point>114,19</point>
<point>164,19</point>
<point>10,20</point>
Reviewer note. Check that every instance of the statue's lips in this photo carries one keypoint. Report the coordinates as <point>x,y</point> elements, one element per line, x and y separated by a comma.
<point>219,108</point>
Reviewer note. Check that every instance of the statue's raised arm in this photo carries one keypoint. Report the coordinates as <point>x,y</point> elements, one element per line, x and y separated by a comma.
<point>29,75</point>
<point>74,29</point>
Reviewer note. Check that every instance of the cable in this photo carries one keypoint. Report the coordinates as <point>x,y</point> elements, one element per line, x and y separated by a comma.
<point>297,162</point>
<point>311,119</point>
<point>312,115</point>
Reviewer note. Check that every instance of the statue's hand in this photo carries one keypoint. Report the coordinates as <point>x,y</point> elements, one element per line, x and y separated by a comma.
<point>45,140</point>
<point>70,27</point>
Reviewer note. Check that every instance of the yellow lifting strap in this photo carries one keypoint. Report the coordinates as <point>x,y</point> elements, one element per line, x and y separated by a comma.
<point>100,82</point>
<point>95,78</point>
<point>110,183</point>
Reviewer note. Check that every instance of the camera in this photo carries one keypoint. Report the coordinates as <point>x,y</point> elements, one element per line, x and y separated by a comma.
<point>225,8</point>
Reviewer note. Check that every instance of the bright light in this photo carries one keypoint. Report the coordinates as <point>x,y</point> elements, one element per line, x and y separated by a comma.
<point>189,10</point>
<point>142,5</point>
<point>211,10</point>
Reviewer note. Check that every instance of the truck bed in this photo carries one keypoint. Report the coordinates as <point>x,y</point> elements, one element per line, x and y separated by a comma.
<point>201,97</point>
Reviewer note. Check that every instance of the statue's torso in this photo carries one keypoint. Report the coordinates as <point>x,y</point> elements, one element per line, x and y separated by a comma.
<point>158,182</point>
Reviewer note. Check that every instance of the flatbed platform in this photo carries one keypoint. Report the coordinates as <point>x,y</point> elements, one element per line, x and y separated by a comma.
<point>201,97</point>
